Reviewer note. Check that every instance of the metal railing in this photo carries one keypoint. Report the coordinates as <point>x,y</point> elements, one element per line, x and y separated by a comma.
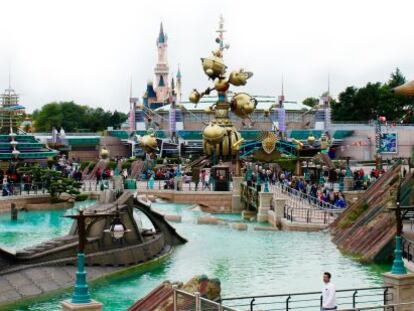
<point>93,185</point>
<point>159,185</point>
<point>407,249</point>
<point>183,301</point>
<point>23,189</point>
<point>310,215</point>
<point>389,307</point>
<point>353,298</point>
<point>299,199</point>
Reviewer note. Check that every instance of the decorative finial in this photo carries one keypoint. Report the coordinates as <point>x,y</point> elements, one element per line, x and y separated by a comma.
<point>220,38</point>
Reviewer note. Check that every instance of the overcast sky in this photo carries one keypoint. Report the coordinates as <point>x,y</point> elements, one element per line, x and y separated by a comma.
<point>87,50</point>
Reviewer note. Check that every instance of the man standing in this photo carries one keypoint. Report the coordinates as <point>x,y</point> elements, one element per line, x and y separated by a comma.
<point>328,293</point>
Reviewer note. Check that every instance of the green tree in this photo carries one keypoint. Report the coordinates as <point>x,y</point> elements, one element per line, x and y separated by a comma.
<point>310,101</point>
<point>53,181</point>
<point>73,117</point>
<point>373,100</point>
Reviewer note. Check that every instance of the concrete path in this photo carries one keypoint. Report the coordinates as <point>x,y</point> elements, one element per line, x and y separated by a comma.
<point>37,281</point>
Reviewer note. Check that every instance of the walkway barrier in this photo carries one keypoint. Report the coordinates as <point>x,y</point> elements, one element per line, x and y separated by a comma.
<point>160,185</point>
<point>22,189</point>
<point>310,215</point>
<point>299,199</point>
<point>390,307</point>
<point>407,248</point>
<point>184,301</point>
<point>93,185</point>
<point>346,298</point>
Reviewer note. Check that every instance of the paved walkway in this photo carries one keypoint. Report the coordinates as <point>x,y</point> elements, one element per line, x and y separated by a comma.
<point>37,281</point>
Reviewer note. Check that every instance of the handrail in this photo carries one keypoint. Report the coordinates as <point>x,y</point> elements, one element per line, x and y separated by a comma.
<point>385,307</point>
<point>356,297</point>
<point>306,293</point>
<point>312,201</point>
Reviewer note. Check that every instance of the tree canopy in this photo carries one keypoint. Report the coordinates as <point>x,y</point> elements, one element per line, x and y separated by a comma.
<point>311,101</point>
<point>73,117</point>
<point>372,100</point>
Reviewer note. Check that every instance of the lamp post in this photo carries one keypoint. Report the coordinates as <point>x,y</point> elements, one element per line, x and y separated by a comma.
<point>398,264</point>
<point>117,230</point>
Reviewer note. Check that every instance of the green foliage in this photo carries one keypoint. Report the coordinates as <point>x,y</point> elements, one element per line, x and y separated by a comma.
<point>75,118</point>
<point>287,164</point>
<point>84,165</point>
<point>111,165</point>
<point>52,180</point>
<point>353,216</point>
<point>371,101</point>
<point>310,101</point>
<point>126,165</point>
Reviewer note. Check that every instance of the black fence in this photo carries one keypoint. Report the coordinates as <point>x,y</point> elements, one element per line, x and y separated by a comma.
<point>346,298</point>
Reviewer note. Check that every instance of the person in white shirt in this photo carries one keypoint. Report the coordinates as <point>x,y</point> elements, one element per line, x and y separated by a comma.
<point>328,293</point>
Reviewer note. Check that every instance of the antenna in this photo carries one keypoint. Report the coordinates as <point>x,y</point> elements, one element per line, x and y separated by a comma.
<point>130,87</point>
<point>221,31</point>
<point>9,76</point>
<point>329,84</point>
<point>283,92</point>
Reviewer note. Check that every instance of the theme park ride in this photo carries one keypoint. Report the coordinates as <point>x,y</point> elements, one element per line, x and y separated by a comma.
<point>221,138</point>
<point>16,144</point>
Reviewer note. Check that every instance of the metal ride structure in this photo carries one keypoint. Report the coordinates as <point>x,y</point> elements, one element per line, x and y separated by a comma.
<point>221,139</point>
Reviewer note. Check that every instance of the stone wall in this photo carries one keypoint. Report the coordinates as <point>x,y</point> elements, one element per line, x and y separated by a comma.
<point>215,201</point>
<point>84,155</point>
<point>115,146</point>
<point>22,201</point>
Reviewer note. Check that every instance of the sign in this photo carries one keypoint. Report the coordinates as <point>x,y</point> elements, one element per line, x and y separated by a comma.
<point>388,143</point>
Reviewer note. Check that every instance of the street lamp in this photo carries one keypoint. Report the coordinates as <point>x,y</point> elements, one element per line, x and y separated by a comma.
<point>117,229</point>
<point>398,264</point>
<point>81,292</point>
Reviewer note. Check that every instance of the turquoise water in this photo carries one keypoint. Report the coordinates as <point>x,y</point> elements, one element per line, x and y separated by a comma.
<point>246,262</point>
<point>35,226</point>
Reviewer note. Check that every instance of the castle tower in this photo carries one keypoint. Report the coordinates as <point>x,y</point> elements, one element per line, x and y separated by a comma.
<point>161,69</point>
<point>178,86</point>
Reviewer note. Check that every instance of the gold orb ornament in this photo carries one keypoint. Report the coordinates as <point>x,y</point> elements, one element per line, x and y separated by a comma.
<point>213,133</point>
<point>213,67</point>
<point>311,140</point>
<point>240,77</point>
<point>194,97</point>
<point>104,153</point>
<point>243,104</point>
<point>148,143</point>
<point>221,85</point>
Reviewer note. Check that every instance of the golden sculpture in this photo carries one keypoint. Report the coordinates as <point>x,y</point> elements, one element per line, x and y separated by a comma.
<point>269,140</point>
<point>220,137</point>
<point>148,143</point>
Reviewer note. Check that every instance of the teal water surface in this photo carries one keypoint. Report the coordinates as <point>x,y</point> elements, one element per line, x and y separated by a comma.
<point>247,262</point>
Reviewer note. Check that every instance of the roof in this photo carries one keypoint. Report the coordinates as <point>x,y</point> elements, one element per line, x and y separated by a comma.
<point>264,102</point>
<point>162,37</point>
<point>150,93</point>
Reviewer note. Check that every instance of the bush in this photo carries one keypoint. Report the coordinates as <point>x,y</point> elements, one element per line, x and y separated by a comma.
<point>111,165</point>
<point>126,165</point>
<point>84,165</point>
<point>287,164</point>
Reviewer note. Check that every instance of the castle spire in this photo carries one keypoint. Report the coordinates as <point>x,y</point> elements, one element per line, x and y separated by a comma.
<point>161,69</point>
<point>162,37</point>
<point>178,76</point>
